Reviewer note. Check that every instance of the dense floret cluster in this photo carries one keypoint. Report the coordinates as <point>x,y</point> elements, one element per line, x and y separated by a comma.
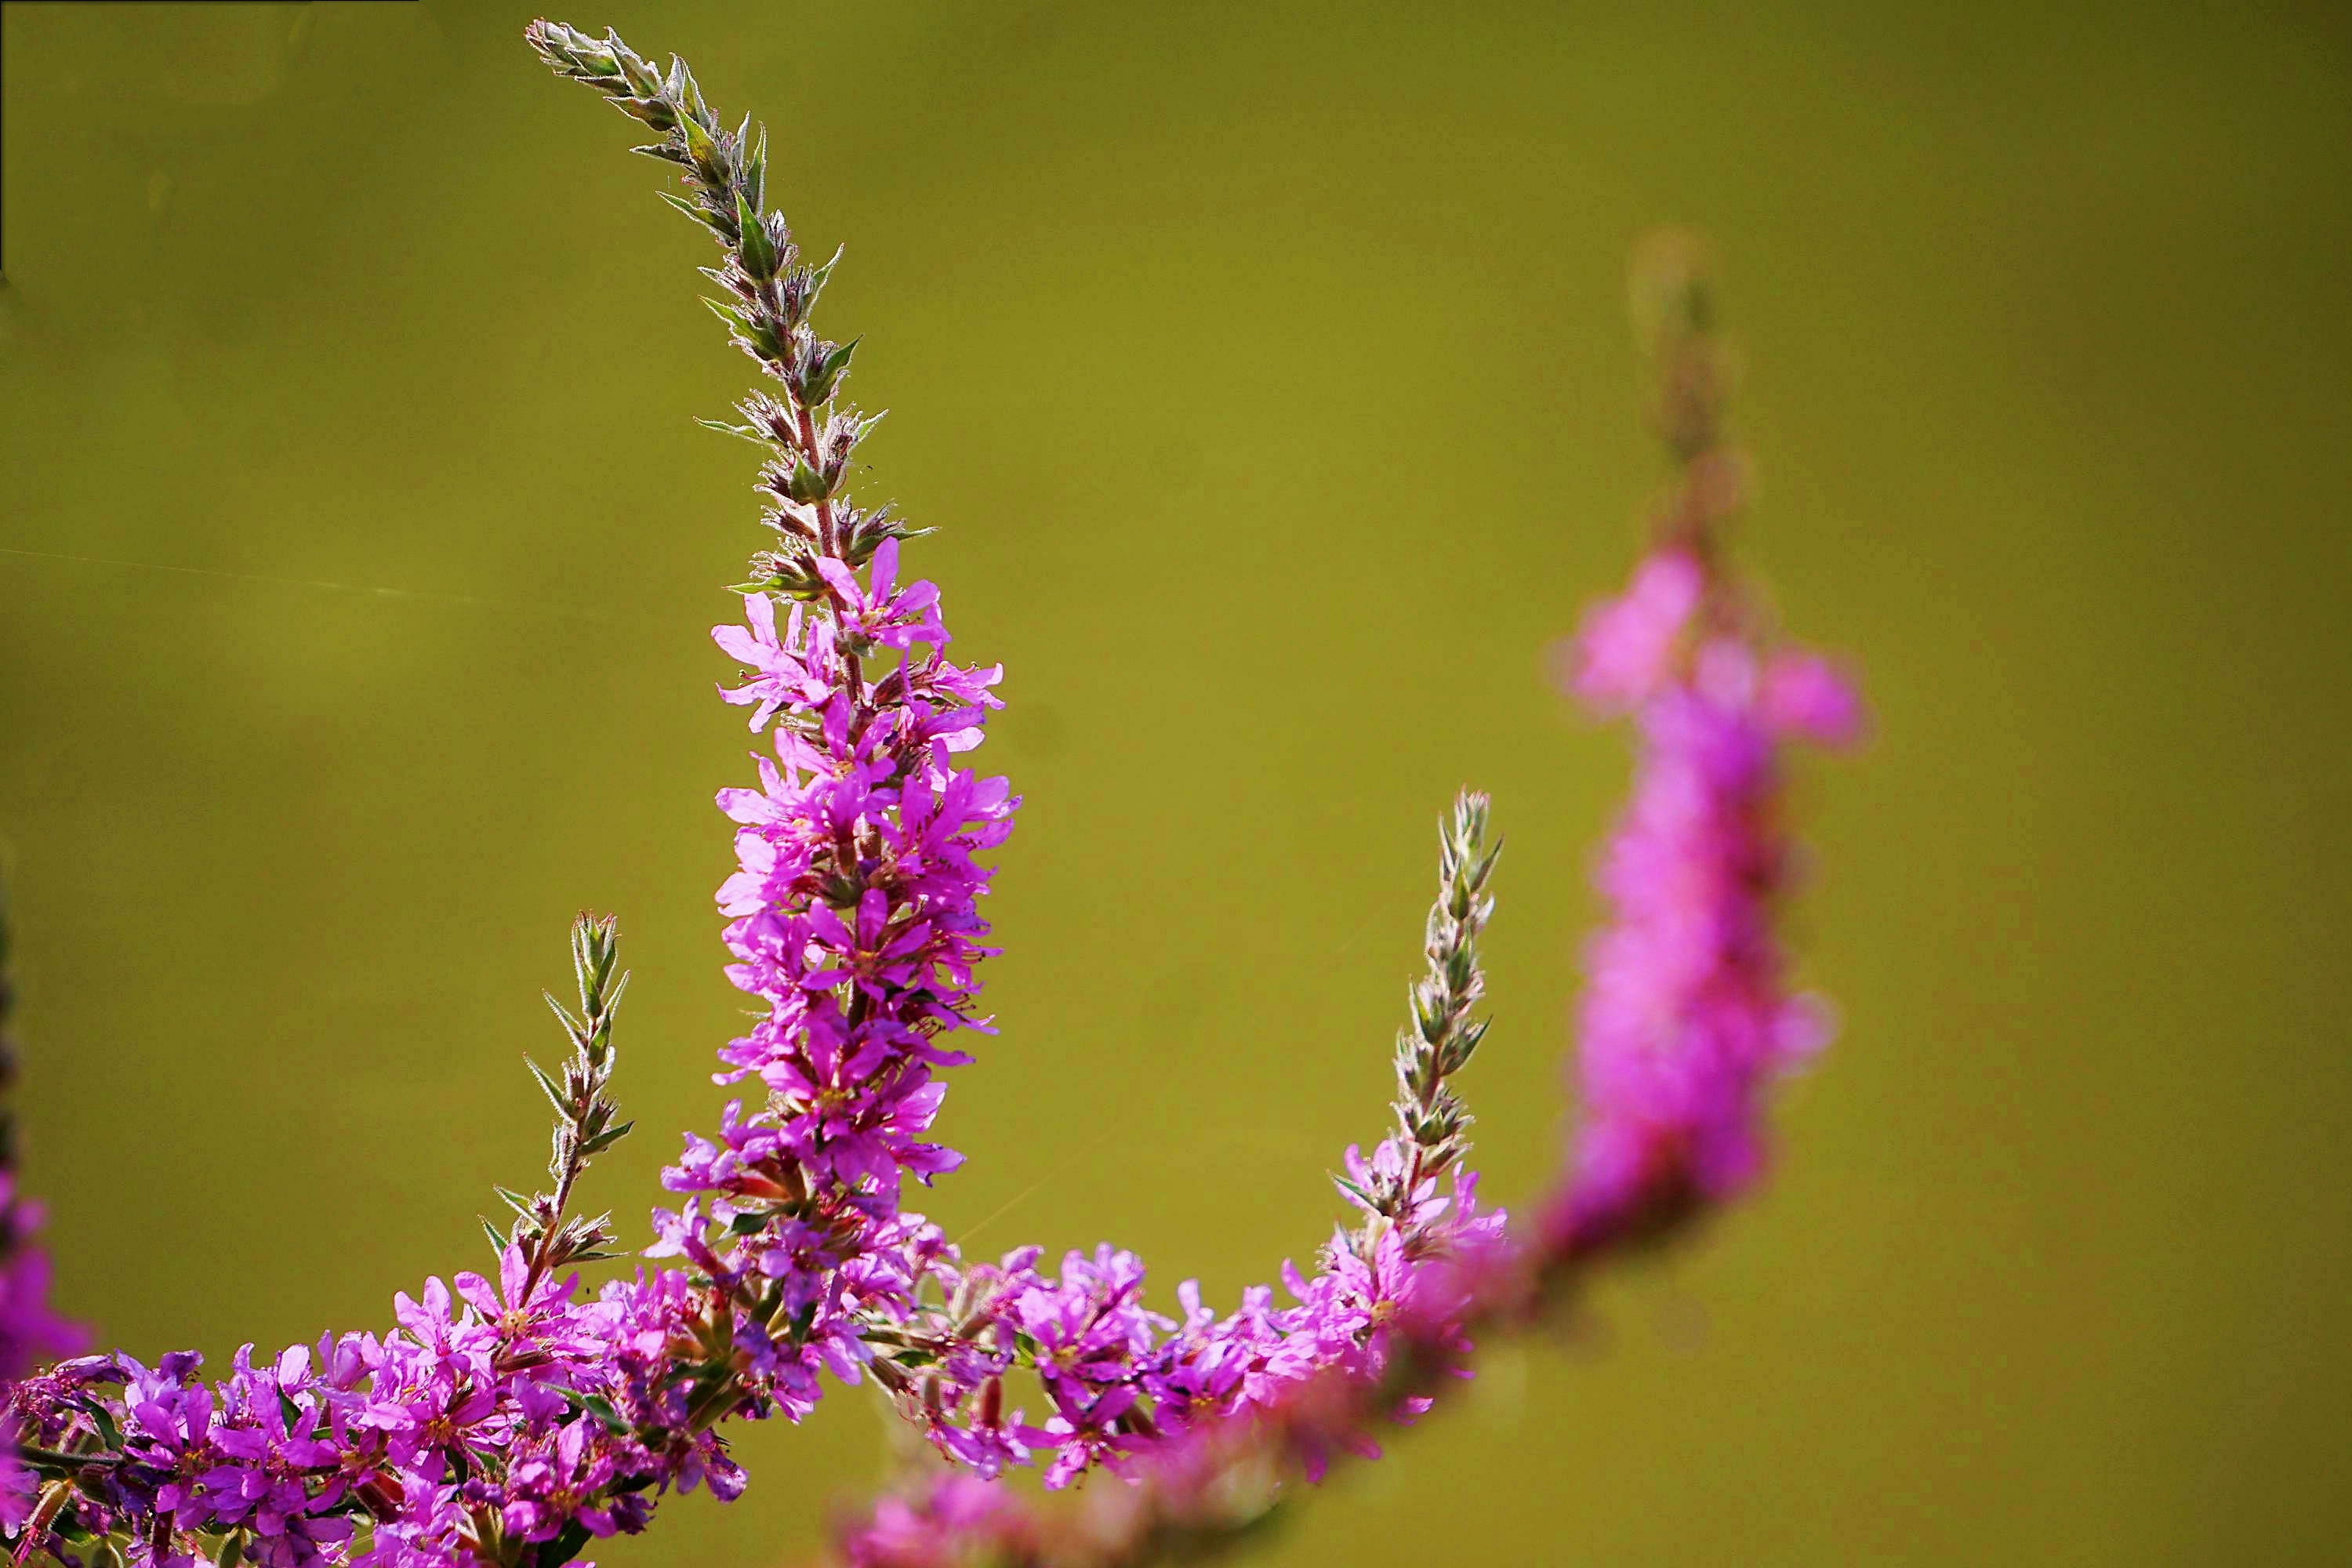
<point>1689,1019</point>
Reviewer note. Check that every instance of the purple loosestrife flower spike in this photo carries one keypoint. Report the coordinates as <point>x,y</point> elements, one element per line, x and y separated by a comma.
<point>1689,1019</point>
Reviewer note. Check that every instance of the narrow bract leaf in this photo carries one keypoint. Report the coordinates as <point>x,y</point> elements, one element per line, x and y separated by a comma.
<point>742,432</point>
<point>606,1139</point>
<point>546,1085</point>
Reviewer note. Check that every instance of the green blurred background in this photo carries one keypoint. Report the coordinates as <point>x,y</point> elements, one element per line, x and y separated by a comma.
<point>1266,370</point>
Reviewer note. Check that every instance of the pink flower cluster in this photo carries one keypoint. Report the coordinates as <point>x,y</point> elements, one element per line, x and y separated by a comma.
<point>1687,1020</point>
<point>1125,1383</point>
<point>1176,1408</point>
<point>502,1411</point>
<point>31,1329</point>
<point>853,921</point>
